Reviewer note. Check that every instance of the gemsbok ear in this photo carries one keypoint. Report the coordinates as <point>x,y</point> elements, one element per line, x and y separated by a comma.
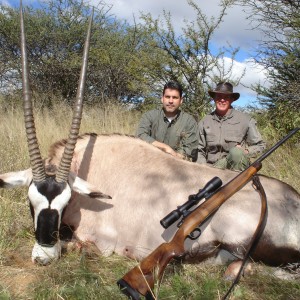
<point>83,187</point>
<point>14,179</point>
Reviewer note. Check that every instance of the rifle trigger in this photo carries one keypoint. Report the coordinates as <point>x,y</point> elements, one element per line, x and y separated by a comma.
<point>195,234</point>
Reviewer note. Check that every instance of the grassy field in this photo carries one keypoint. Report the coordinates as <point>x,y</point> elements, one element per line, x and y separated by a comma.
<point>84,274</point>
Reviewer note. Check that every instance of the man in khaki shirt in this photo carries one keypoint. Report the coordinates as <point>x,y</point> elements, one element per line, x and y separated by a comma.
<point>227,137</point>
<point>169,128</point>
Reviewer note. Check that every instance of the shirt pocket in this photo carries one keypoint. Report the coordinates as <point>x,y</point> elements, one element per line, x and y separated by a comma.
<point>232,138</point>
<point>212,138</point>
<point>212,143</point>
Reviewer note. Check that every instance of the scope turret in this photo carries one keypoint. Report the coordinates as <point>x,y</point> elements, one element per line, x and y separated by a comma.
<point>208,189</point>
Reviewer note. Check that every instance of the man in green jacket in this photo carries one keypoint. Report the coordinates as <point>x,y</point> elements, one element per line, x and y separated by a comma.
<point>169,128</point>
<point>228,138</point>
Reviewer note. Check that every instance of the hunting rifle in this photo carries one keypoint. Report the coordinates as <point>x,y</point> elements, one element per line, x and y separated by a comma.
<point>141,279</point>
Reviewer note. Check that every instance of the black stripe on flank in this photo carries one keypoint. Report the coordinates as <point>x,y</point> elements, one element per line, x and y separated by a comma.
<point>5,185</point>
<point>2,184</point>
<point>99,195</point>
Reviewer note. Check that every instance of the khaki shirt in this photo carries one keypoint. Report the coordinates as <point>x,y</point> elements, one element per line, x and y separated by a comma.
<point>181,134</point>
<point>218,134</point>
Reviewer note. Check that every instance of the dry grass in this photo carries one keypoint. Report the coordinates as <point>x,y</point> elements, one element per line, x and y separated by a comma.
<point>102,120</point>
<point>85,275</point>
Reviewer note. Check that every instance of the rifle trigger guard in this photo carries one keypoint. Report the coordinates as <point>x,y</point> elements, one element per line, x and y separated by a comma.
<point>195,234</point>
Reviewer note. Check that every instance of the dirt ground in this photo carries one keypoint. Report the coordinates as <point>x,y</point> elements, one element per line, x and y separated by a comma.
<point>18,274</point>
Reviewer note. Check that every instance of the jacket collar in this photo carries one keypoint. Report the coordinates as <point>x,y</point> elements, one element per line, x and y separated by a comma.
<point>218,118</point>
<point>174,120</point>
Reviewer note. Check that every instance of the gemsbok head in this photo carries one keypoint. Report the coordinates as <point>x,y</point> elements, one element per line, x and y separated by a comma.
<point>49,192</point>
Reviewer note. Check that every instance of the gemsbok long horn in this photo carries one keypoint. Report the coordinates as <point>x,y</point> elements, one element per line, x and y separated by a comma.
<point>36,162</point>
<point>66,160</point>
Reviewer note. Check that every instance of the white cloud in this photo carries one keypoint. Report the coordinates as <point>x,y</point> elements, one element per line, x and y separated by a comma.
<point>253,74</point>
<point>248,73</point>
<point>126,8</point>
<point>5,3</point>
<point>235,28</point>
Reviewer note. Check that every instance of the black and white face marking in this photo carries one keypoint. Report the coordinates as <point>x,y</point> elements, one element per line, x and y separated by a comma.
<point>48,199</point>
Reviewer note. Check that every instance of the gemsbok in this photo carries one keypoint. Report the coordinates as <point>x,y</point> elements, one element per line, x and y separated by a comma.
<point>49,191</point>
<point>145,185</point>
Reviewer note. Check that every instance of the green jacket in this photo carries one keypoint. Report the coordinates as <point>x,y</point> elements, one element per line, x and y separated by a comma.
<point>217,135</point>
<point>181,134</point>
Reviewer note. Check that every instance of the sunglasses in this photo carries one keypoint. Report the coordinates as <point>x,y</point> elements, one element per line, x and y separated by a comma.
<point>221,97</point>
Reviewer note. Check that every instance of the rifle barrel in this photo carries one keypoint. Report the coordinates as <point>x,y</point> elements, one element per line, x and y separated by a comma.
<point>278,144</point>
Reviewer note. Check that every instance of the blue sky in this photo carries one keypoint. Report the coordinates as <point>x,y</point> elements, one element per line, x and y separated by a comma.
<point>235,30</point>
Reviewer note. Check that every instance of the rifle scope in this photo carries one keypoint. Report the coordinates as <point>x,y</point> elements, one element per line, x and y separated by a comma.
<point>174,215</point>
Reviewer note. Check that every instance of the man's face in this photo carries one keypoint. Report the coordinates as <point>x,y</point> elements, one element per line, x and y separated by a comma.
<point>171,101</point>
<point>223,103</point>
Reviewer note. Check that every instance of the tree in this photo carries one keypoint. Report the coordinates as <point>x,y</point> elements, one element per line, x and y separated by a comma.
<point>118,59</point>
<point>55,35</point>
<point>279,53</point>
<point>188,58</point>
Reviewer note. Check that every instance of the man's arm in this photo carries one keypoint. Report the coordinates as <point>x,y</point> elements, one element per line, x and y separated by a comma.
<point>202,144</point>
<point>189,140</point>
<point>254,139</point>
<point>166,148</point>
<point>144,129</point>
<point>144,132</point>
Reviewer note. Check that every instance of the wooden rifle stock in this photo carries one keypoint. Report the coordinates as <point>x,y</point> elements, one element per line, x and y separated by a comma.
<point>141,279</point>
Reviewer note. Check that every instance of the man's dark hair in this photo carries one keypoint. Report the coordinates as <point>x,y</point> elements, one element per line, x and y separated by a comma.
<point>173,85</point>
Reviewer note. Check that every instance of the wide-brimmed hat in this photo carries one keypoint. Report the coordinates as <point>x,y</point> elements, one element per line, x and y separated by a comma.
<point>224,88</point>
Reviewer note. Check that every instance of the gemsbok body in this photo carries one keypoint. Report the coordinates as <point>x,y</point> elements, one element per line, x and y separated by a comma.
<point>144,184</point>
